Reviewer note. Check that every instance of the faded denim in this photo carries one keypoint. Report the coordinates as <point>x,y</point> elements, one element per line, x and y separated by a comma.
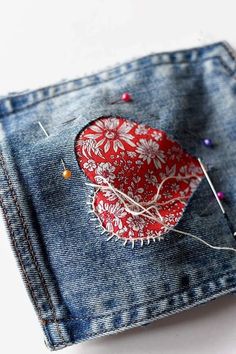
<point>82,286</point>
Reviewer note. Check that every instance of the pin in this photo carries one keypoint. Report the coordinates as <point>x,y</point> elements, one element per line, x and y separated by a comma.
<point>208,142</point>
<point>219,196</point>
<point>66,174</point>
<point>125,97</point>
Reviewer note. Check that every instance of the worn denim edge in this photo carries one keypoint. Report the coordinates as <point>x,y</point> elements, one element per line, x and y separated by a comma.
<point>225,283</point>
<point>53,337</point>
<point>38,281</point>
<point>15,102</point>
<point>220,286</point>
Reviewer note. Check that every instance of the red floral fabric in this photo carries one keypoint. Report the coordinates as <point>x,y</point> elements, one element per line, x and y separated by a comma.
<point>135,159</point>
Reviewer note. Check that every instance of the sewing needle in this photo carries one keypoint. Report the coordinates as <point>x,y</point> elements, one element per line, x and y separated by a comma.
<point>216,196</point>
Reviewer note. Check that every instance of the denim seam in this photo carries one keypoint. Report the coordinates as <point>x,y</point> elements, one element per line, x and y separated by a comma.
<point>13,195</point>
<point>164,313</point>
<point>36,257</point>
<point>142,303</point>
<point>224,65</point>
<point>19,257</point>
<point>30,247</point>
<point>229,51</point>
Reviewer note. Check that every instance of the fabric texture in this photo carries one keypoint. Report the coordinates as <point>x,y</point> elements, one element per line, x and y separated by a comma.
<point>82,286</point>
<point>144,165</point>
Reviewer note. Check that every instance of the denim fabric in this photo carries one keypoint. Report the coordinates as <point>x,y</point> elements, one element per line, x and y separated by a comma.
<point>81,285</point>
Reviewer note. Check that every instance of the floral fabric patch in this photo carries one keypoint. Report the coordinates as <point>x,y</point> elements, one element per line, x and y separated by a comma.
<point>142,178</point>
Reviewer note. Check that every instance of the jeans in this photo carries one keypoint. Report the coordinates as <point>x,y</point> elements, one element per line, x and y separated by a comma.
<point>81,285</point>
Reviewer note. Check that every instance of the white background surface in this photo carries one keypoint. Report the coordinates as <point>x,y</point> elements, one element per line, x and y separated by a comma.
<point>42,42</point>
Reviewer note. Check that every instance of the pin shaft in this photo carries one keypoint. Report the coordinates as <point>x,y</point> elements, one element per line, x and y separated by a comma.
<point>43,129</point>
<point>211,185</point>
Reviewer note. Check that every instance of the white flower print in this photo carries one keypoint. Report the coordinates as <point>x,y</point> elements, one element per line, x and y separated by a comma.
<point>131,153</point>
<point>112,213</point>
<point>170,218</point>
<point>90,165</point>
<point>175,187</point>
<point>121,232</point>
<point>89,146</point>
<point>111,196</point>
<point>135,159</point>
<point>134,195</point>
<point>136,222</point>
<point>136,179</point>
<point>155,234</point>
<point>139,162</point>
<point>122,178</point>
<point>131,234</point>
<point>193,169</point>
<point>105,170</point>
<point>118,212</point>
<point>193,184</point>
<point>184,192</point>
<point>109,224</point>
<point>141,130</point>
<point>167,194</point>
<point>175,152</point>
<point>133,190</point>
<point>102,209</point>
<point>150,177</point>
<point>149,150</point>
<point>109,133</point>
<point>157,135</point>
<point>183,170</point>
<point>169,172</point>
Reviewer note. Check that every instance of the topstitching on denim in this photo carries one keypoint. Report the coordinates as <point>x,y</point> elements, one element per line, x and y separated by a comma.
<point>18,103</point>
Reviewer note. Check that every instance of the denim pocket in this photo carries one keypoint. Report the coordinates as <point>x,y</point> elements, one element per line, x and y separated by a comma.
<point>81,285</point>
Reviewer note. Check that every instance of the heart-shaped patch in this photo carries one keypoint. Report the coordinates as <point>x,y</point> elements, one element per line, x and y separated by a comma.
<point>142,178</point>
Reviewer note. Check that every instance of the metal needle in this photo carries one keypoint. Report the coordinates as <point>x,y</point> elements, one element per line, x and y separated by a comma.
<point>66,173</point>
<point>43,129</point>
<point>217,198</point>
<point>211,185</point>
